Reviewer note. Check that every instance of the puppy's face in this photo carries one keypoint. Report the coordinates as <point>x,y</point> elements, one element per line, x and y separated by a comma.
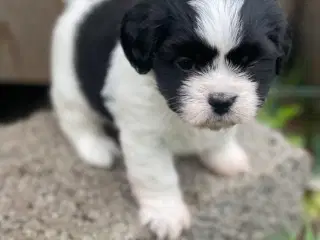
<point>213,61</point>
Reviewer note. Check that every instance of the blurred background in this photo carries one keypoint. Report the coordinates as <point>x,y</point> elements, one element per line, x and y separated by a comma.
<point>294,103</point>
<point>293,106</point>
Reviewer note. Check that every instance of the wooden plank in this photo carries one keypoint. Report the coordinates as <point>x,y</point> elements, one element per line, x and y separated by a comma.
<point>25,30</point>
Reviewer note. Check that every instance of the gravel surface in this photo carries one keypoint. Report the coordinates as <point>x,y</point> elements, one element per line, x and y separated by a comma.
<point>48,193</point>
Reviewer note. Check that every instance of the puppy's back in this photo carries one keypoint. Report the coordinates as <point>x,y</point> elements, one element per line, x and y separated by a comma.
<point>83,40</point>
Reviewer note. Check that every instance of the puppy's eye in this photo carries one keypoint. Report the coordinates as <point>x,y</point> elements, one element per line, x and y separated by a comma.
<point>240,60</point>
<point>245,60</point>
<point>244,55</point>
<point>185,64</point>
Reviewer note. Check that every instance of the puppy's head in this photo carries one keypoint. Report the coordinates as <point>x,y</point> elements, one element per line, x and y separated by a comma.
<point>213,61</point>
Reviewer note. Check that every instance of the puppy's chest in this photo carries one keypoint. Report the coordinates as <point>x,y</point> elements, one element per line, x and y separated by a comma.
<point>182,139</point>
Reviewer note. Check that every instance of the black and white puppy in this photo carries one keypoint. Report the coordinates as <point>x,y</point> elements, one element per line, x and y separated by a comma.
<point>175,77</point>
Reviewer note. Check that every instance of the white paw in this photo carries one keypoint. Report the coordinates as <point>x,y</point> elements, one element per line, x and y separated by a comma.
<point>98,151</point>
<point>166,218</point>
<point>230,161</point>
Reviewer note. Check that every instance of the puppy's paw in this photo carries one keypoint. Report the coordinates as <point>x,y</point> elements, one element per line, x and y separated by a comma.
<point>229,161</point>
<point>166,218</point>
<point>98,151</point>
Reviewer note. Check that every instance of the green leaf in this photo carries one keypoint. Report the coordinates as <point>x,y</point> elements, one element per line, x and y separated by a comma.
<point>296,140</point>
<point>283,235</point>
<point>278,237</point>
<point>279,118</point>
<point>285,114</point>
<point>309,234</point>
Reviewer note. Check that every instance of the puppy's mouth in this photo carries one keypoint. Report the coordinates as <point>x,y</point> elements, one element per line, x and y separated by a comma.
<point>217,125</point>
<point>213,124</point>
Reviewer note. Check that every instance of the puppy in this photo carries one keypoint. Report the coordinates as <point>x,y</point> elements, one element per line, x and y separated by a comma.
<point>175,77</point>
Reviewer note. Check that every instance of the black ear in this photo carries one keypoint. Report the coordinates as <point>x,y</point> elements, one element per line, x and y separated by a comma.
<point>142,32</point>
<point>284,45</point>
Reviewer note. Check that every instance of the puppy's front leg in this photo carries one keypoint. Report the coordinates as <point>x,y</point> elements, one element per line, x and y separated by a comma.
<point>226,156</point>
<point>155,184</point>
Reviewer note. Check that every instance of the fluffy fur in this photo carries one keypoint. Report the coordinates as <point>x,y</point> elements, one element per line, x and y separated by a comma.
<point>175,77</point>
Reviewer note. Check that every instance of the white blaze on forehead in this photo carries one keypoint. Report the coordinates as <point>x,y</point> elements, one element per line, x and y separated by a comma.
<point>219,22</point>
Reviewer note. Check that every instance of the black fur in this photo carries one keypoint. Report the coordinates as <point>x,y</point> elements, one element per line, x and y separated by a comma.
<point>155,36</point>
<point>160,36</point>
<point>97,35</point>
<point>267,41</point>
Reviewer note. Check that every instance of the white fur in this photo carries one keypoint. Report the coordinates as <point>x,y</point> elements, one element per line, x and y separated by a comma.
<point>219,24</point>
<point>150,132</point>
<point>196,91</point>
<point>228,161</point>
<point>79,122</point>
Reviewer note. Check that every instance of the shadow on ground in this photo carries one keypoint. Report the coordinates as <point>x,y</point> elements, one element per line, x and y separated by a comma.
<point>19,101</point>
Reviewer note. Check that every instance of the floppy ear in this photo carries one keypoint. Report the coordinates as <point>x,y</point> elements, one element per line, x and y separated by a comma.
<point>284,45</point>
<point>142,32</point>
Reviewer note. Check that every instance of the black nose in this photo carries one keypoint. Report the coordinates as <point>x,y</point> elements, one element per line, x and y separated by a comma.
<point>221,103</point>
